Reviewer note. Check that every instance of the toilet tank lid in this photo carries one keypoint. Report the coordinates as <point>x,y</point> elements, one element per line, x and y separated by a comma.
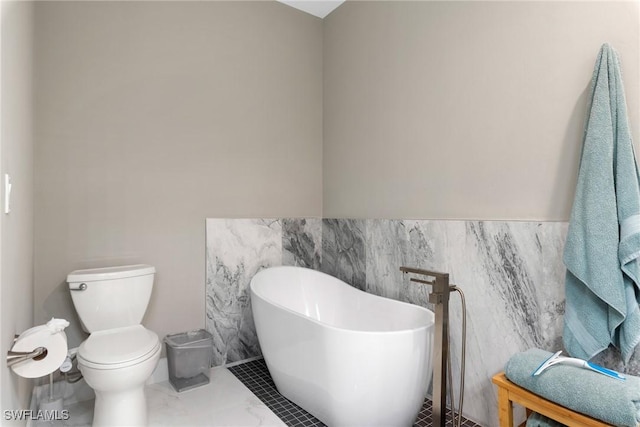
<point>110,273</point>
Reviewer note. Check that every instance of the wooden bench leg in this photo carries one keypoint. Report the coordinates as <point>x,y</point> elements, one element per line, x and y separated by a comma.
<point>505,408</point>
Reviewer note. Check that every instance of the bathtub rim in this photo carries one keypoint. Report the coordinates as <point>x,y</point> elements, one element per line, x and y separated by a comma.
<point>426,328</point>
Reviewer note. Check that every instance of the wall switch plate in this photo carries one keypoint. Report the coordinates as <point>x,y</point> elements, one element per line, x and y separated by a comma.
<point>7,193</point>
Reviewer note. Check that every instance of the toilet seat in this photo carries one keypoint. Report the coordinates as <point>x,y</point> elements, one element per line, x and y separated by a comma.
<point>118,348</point>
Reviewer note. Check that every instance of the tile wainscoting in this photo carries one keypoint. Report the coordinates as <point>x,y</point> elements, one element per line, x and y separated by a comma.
<point>511,273</point>
<point>236,250</point>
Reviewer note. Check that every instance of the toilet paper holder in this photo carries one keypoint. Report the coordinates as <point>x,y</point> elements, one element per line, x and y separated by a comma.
<point>14,357</point>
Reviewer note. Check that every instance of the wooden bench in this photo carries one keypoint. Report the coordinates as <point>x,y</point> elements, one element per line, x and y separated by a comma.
<point>509,393</point>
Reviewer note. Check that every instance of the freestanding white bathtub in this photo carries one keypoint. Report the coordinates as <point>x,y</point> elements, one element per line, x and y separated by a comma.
<point>347,357</point>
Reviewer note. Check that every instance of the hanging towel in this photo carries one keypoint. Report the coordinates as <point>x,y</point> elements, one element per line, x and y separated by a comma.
<point>603,242</point>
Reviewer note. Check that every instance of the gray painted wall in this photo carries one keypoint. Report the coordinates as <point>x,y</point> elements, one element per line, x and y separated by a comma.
<point>151,117</point>
<point>16,154</point>
<point>469,109</point>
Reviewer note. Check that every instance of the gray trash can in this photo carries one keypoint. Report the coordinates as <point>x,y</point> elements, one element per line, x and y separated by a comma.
<point>189,357</point>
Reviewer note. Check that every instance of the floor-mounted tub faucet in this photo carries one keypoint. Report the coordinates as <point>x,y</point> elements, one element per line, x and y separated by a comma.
<point>439,297</point>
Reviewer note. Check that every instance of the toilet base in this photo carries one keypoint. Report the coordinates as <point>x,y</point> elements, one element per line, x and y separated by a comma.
<point>120,394</point>
<point>122,408</point>
<point>119,387</point>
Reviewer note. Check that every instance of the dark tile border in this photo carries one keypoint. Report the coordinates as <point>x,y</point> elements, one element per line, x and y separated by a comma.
<point>255,376</point>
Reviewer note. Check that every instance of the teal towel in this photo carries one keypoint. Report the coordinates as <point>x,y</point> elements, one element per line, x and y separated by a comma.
<point>598,396</point>
<point>603,242</point>
<point>537,420</point>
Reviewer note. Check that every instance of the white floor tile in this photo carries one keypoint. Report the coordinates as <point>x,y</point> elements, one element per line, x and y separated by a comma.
<point>224,402</point>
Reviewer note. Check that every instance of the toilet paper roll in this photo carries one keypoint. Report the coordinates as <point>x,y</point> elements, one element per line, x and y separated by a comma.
<point>40,336</point>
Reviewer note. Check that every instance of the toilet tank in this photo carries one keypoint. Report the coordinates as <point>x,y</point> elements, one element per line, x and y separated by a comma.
<point>111,297</point>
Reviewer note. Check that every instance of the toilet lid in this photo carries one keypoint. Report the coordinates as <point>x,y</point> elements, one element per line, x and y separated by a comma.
<point>120,345</point>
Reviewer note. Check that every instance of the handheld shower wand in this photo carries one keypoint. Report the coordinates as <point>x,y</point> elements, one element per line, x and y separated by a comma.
<point>556,359</point>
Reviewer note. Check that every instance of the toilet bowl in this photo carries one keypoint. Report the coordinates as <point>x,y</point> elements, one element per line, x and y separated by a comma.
<point>116,364</point>
<point>120,354</point>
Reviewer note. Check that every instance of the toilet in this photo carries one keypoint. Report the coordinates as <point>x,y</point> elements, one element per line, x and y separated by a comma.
<point>120,354</point>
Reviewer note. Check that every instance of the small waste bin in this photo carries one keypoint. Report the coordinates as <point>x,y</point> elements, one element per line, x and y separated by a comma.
<point>189,356</point>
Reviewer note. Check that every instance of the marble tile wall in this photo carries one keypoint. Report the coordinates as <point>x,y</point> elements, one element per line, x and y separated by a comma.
<point>236,249</point>
<point>344,250</point>
<point>511,274</point>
